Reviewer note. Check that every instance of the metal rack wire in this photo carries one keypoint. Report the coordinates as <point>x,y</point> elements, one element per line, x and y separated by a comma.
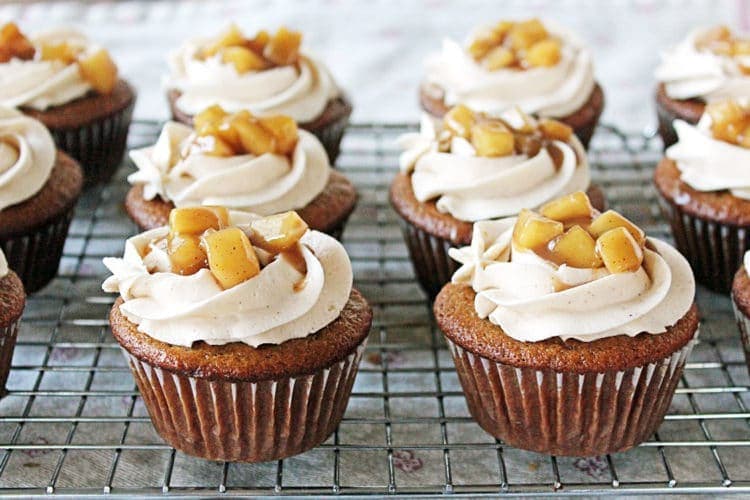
<point>73,423</point>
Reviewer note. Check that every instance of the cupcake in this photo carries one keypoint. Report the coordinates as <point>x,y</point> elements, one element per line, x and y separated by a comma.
<point>569,328</point>
<point>263,165</point>
<point>71,85</point>
<point>12,302</point>
<point>39,187</point>
<point>243,333</point>
<point>542,68</point>
<point>710,64</point>
<point>705,191</point>
<point>741,303</point>
<point>266,74</point>
<point>468,167</point>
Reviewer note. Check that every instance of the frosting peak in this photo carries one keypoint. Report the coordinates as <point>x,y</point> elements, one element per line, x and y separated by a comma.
<point>27,155</point>
<point>269,308</point>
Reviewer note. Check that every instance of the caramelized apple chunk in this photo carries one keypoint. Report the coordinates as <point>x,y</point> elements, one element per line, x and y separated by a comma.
<point>231,258</point>
<point>283,47</point>
<point>185,253</point>
<point>619,251</point>
<point>285,130</point>
<point>492,139</point>
<point>569,207</point>
<point>59,52</point>
<point>533,231</point>
<point>14,44</point>
<point>243,59</point>
<point>498,58</point>
<point>576,248</point>
<point>544,53</point>
<point>524,34</point>
<point>255,138</point>
<point>99,71</point>
<point>277,233</point>
<point>196,220</point>
<point>610,220</point>
<point>555,130</point>
<point>232,37</point>
<point>729,121</point>
<point>459,120</point>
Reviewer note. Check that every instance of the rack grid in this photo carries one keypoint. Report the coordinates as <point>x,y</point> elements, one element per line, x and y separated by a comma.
<point>73,423</point>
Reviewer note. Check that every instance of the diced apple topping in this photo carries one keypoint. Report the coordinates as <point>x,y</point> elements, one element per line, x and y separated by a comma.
<point>99,71</point>
<point>231,257</point>
<point>14,44</point>
<point>202,238</point>
<point>258,53</point>
<point>730,122</point>
<point>576,248</point>
<point>277,233</point>
<point>515,45</point>
<point>222,134</point>
<point>59,52</point>
<point>592,240</point>
<point>721,41</point>
<point>619,250</point>
<point>492,136</point>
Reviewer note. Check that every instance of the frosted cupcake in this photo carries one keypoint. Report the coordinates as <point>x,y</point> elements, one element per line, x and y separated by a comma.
<point>468,167</point>
<point>540,67</point>
<point>741,303</point>
<point>709,64</point>
<point>243,333</point>
<point>266,74</point>
<point>569,328</point>
<point>704,190</point>
<point>70,84</point>
<point>262,165</point>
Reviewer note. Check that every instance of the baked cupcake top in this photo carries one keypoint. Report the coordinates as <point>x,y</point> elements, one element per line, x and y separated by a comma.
<point>51,68</point>
<point>220,277</point>
<point>542,68</point>
<point>481,167</point>
<point>27,155</point>
<point>710,63</point>
<point>258,164</point>
<point>266,74</point>
<point>713,155</point>
<point>573,273</point>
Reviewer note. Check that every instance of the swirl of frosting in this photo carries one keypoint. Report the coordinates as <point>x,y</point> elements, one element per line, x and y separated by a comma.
<point>709,164</point>
<point>269,308</point>
<point>264,184</point>
<point>301,91</point>
<point>41,84</point>
<point>746,262</point>
<point>532,299</point>
<point>555,91</point>
<point>3,264</point>
<point>472,188</point>
<point>691,72</point>
<point>27,155</point>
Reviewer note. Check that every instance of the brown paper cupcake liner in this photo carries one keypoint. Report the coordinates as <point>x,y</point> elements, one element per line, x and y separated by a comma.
<point>714,250</point>
<point>666,129</point>
<point>36,256</point>
<point>331,136</point>
<point>98,146</point>
<point>8,336</point>
<point>433,266</point>
<point>743,323</point>
<point>246,421</point>
<point>568,414</point>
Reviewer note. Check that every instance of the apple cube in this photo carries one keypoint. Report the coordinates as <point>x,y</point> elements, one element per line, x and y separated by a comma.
<point>231,37</point>
<point>185,253</point>
<point>99,71</point>
<point>575,248</point>
<point>459,120</point>
<point>283,47</point>
<point>243,59</point>
<point>492,139</point>
<point>544,53</point>
<point>533,231</point>
<point>277,233</point>
<point>284,129</point>
<point>555,130</point>
<point>196,220</point>
<point>611,220</point>
<point>59,52</point>
<point>526,33</point>
<point>231,258</point>
<point>569,207</point>
<point>253,137</point>
<point>13,43</point>
<point>619,251</point>
<point>498,58</point>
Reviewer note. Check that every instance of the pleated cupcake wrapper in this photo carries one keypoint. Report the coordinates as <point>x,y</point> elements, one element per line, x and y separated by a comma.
<point>714,250</point>
<point>331,135</point>
<point>568,414</point>
<point>429,256</point>
<point>246,421</point>
<point>743,322</point>
<point>98,146</point>
<point>8,336</point>
<point>36,256</point>
<point>666,129</point>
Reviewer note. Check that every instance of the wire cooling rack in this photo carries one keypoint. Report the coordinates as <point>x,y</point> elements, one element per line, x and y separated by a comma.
<point>73,423</point>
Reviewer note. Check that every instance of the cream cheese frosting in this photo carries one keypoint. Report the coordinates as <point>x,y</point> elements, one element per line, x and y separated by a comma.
<point>472,188</point>
<point>269,308</point>
<point>555,91</point>
<point>41,84</point>
<point>3,264</point>
<point>264,184</point>
<point>688,72</point>
<point>27,155</point>
<point>707,163</point>
<point>532,299</point>
<point>301,91</point>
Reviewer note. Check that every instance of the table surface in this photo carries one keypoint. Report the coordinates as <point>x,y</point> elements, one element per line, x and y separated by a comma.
<point>376,49</point>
